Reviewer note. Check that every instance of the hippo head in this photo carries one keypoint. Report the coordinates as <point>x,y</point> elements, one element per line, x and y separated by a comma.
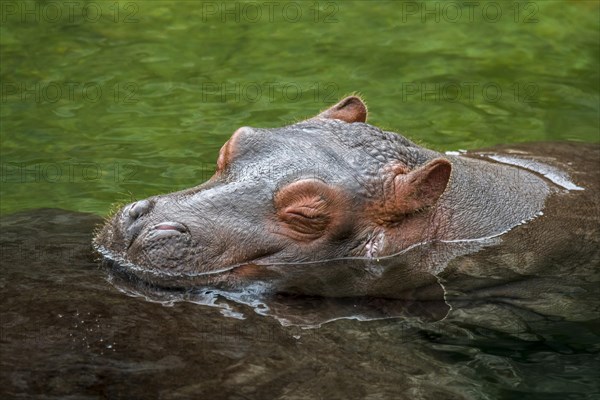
<point>328,187</point>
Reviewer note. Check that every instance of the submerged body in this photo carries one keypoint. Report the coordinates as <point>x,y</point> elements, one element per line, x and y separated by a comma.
<point>335,188</point>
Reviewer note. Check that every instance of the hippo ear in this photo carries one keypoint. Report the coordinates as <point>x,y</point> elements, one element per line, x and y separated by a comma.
<point>351,109</point>
<point>411,191</point>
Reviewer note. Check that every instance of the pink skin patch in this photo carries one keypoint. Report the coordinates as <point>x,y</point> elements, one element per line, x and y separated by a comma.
<point>170,226</point>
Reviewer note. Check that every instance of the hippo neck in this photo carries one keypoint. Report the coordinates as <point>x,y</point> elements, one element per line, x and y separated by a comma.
<point>485,199</point>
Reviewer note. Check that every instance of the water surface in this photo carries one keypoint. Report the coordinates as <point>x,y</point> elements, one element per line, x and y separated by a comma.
<point>105,102</point>
<point>67,329</point>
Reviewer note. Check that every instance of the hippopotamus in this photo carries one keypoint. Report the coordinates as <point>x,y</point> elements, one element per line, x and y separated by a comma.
<point>396,215</point>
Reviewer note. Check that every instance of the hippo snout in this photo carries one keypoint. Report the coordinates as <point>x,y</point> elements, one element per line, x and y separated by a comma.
<point>150,237</point>
<point>136,221</point>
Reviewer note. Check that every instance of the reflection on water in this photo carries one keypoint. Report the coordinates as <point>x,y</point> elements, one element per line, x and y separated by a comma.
<point>289,309</point>
<point>67,329</point>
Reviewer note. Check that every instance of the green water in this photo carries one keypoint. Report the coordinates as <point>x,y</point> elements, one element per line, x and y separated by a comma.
<point>108,101</point>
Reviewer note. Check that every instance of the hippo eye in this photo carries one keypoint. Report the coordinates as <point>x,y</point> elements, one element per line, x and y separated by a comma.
<point>307,216</point>
<point>303,207</point>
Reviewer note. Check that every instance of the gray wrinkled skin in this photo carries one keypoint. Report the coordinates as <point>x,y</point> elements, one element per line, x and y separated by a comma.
<point>232,220</point>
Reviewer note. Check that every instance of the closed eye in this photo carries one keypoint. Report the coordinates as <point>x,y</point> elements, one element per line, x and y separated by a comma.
<point>309,219</point>
<point>314,210</point>
<point>304,209</point>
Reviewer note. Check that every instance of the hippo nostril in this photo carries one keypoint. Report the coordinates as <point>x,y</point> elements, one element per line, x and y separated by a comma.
<point>139,208</point>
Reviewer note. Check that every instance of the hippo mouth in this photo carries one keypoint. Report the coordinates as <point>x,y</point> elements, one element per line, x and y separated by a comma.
<point>166,242</point>
<point>161,230</point>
